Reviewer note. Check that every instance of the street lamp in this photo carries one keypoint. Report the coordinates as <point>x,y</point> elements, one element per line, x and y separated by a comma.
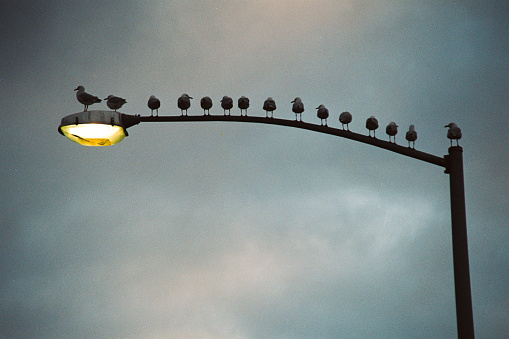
<point>104,128</point>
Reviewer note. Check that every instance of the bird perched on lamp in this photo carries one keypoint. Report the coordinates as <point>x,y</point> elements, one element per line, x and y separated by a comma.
<point>226,104</point>
<point>243,104</point>
<point>298,108</point>
<point>85,98</point>
<point>184,102</point>
<point>345,118</point>
<point>411,136</point>
<point>114,102</point>
<point>323,114</point>
<point>269,106</point>
<point>206,104</point>
<point>392,130</point>
<point>154,104</point>
<point>372,125</point>
<point>454,132</point>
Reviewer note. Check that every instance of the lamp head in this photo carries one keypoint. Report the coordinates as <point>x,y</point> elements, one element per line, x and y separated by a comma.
<point>97,128</point>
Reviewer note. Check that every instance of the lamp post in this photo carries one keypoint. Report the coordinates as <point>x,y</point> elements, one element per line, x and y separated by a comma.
<point>104,128</point>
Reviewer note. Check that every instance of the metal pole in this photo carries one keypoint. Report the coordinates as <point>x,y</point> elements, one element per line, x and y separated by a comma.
<point>464,315</point>
<point>453,163</point>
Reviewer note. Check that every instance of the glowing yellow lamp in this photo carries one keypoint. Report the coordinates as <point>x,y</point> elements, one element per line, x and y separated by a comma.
<point>97,128</point>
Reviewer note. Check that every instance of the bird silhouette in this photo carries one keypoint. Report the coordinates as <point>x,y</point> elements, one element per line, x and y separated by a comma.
<point>114,102</point>
<point>345,118</point>
<point>85,98</point>
<point>154,104</point>
<point>206,104</point>
<point>372,125</point>
<point>226,104</point>
<point>323,114</point>
<point>392,130</point>
<point>269,106</point>
<point>184,103</point>
<point>454,132</point>
<point>243,104</point>
<point>298,108</point>
<point>411,136</point>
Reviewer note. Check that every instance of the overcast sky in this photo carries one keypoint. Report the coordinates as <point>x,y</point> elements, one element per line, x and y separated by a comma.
<point>231,230</point>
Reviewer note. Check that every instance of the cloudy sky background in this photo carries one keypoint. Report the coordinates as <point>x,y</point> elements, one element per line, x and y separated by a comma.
<point>251,231</point>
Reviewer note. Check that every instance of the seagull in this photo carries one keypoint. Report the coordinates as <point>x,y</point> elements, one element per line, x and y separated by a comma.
<point>298,108</point>
<point>454,132</point>
<point>184,103</point>
<point>392,130</point>
<point>85,98</point>
<point>154,104</point>
<point>243,104</point>
<point>322,113</point>
<point>345,118</point>
<point>269,106</point>
<point>411,136</point>
<point>372,125</point>
<point>226,104</point>
<point>206,104</point>
<point>114,102</point>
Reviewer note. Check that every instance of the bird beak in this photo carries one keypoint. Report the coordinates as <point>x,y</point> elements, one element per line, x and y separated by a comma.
<point>190,97</point>
<point>76,89</point>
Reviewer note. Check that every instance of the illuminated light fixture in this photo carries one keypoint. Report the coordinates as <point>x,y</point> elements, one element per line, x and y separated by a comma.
<point>97,128</point>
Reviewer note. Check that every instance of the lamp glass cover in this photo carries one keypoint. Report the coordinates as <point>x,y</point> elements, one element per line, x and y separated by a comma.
<point>94,134</point>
